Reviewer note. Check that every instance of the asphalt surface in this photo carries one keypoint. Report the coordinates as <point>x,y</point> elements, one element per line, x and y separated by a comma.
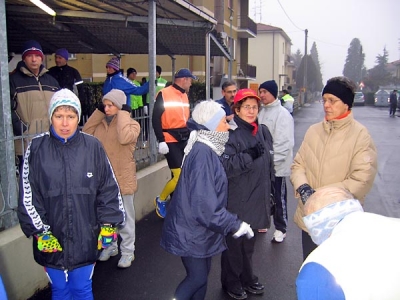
<point>155,274</point>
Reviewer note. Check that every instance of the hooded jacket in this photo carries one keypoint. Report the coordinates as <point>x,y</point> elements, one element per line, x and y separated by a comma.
<point>119,140</point>
<point>69,189</point>
<point>249,181</point>
<point>280,124</point>
<point>197,218</point>
<point>335,153</point>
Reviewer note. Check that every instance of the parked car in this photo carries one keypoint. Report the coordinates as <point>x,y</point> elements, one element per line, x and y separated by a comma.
<point>358,98</point>
<point>382,98</point>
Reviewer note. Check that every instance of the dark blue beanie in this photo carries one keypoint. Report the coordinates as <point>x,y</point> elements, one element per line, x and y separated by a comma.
<point>270,86</point>
<point>63,53</point>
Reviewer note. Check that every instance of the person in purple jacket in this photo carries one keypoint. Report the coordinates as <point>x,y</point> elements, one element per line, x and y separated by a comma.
<point>116,80</point>
<point>197,219</point>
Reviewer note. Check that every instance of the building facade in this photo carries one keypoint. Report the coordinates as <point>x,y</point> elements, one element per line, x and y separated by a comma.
<point>271,52</point>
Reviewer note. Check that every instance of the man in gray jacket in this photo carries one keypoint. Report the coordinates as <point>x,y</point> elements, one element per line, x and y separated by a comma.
<point>280,124</point>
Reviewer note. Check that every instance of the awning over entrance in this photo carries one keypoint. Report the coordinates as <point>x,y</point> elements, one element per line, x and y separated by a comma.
<point>111,26</point>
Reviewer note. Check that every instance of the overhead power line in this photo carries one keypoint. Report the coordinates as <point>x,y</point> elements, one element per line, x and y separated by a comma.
<point>289,17</point>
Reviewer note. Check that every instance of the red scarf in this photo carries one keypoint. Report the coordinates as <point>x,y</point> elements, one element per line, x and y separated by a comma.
<point>343,115</point>
<point>255,129</point>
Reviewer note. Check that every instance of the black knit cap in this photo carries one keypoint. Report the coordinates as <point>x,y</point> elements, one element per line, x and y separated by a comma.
<point>130,71</point>
<point>270,86</point>
<point>341,91</point>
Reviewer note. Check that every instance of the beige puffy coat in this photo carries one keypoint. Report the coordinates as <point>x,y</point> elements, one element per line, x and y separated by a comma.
<point>335,153</point>
<point>119,141</point>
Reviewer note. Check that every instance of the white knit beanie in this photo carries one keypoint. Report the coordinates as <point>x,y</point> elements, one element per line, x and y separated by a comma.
<point>117,97</point>
<point>64,97</point>
<point>208,113</point>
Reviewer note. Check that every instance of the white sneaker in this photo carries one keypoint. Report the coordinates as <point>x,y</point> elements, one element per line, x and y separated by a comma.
<point>125,261</point>
<point>278,237</point>
<point>107,253</point>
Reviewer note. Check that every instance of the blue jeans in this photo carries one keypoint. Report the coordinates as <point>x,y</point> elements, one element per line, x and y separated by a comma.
<point>75,284</point>
<point>194,285</point>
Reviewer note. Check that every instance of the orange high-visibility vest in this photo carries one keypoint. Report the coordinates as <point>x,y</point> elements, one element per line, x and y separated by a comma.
<point>176,113</point>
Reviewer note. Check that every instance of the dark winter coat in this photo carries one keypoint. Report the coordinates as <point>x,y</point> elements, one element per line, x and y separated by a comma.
<point>393,98</point>
<point>69,189</point>
<point>197,219</point>
<point>249,181</point>
<point>30,97</point>
<point>67,78</point>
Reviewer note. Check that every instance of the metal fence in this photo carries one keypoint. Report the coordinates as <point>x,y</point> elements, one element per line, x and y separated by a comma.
<point>145,155</point>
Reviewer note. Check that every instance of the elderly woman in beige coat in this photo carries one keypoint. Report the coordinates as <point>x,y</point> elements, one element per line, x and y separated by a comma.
<point>338,151</point>
<point>112,124</point>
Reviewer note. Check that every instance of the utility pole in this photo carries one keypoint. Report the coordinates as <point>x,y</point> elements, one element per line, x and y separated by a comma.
<point>305,67</point>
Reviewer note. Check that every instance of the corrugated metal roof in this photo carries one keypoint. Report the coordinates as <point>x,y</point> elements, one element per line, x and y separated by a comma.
<point>110,26</point>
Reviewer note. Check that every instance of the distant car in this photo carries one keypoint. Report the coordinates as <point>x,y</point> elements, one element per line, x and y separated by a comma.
<point>382,98</point>
<point>359,98</point>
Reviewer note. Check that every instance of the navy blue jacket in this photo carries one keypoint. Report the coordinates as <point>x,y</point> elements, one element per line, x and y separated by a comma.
<point>225,106</point>
<point>197,219</point>
<point>68,188</point>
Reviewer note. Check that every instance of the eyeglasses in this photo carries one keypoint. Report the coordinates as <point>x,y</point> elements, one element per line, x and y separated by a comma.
<point>248,107</point>
<point>329,101</point>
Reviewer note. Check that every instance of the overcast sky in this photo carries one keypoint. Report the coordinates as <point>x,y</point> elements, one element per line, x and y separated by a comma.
<point>333,25</point>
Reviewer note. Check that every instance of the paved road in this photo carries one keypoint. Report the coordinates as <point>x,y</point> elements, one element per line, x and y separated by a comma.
<point>155,274</point>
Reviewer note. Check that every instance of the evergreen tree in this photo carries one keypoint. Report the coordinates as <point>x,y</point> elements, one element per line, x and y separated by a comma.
<point>314,82</point>
<point>379,75</point>
<point>315,58</point>
<point>297,57</point>
<point>354,65</point>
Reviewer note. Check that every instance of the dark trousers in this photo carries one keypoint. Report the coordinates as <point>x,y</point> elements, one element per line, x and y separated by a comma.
<point>237,262</point>
<point>175,155</point>
<point>194,285</point>
<point>280,194</point>
<point>307,243</point>
<point>393,107</point>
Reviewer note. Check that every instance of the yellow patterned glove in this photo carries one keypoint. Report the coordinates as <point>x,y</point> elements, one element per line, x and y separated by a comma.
<point>107,236</point>
<point>47,242</point>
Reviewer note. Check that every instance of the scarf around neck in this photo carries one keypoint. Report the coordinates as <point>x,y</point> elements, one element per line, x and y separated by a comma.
<point>216,140</point>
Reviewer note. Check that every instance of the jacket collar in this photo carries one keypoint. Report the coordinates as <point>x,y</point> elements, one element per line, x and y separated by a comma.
<point>24,69</point>
<point>60,139</point>
<point>338,124</point>
<point>179,88</point>
<point>238,122</point>
<point>272,104</point>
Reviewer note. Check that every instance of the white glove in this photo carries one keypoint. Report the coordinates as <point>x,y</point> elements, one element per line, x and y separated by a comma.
<point>146,110</point>
<point>244,229</point>
<point>163,148</point>
<point>250,233</point>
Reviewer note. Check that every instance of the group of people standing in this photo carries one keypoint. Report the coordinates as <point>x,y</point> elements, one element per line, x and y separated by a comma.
<point>240,170</point>
<point>229,161</point>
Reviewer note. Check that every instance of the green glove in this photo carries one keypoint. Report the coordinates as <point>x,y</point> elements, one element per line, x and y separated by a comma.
<point>107,236</point>
<point>47,242</point>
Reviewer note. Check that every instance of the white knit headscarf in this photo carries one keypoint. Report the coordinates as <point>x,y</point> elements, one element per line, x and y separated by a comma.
<point>321,223</point>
